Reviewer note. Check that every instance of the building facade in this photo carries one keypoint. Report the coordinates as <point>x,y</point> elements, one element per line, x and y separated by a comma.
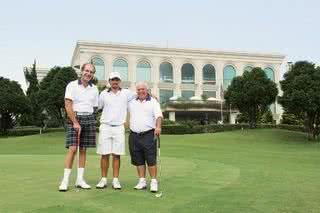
<point>40,70</point>
<point>175,72</point>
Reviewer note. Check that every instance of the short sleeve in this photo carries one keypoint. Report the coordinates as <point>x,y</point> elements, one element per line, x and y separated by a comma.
<point>131,95</point>
<point>157,109</point>
<point>96,99</point>
<point>101,100</point>
<point>69,92</point>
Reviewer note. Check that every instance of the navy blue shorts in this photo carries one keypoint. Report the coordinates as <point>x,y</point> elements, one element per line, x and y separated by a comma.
<point>143,148</point>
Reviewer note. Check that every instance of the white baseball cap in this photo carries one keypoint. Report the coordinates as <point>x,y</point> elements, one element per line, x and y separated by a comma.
<point>114,75</point>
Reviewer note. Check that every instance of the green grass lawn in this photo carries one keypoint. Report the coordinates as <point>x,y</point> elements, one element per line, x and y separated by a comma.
<point>240,171</point>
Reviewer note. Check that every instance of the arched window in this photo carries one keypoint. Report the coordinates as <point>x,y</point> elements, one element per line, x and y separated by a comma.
<point>166,72</point>
<point>270,73</point>
<point>187,74</point>
<point>143,71</point>
<point>209,74</point>
<point>228,74</point>
<point>100,68</point>
<point>121,66</point>
<point>248,68</point>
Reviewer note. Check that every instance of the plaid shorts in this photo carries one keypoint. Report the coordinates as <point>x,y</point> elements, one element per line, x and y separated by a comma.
<point>88,132</point>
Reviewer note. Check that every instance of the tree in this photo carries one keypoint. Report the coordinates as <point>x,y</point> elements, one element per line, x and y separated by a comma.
<point>13,102</point>
<point>301,94</point>
<point>52,90</point>
<point>292,119</point>
<point>34,116</point>
<point>252,94</point>
<point>265,118</point>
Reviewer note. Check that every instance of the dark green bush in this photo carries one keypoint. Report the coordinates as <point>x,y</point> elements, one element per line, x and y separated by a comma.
<point>28,131</point>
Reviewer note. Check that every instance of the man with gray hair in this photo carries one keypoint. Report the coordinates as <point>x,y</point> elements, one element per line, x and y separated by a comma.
<point>145,124</point>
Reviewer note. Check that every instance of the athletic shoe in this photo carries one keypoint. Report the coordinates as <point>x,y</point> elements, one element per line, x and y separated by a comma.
<point>142,184</point>
<point>82,184</point>
<point>116,184</point>
<point>63,186</point>
<point>102,184</point>
<point>154,185</point>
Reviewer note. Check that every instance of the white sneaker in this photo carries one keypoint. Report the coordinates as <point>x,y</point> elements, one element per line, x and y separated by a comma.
<point>63,186</point>
<point>82,184</point>
<point>154,185</point>
<point>116,183</point>
<point>102,184</point>
<point>142,184</point>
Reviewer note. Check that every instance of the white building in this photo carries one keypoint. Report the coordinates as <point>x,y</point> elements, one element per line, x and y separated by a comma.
<point>175,71</point>
<point>40,70</point>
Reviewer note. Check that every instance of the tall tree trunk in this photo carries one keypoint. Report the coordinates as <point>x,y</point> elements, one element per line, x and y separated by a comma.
<point>310,127</point>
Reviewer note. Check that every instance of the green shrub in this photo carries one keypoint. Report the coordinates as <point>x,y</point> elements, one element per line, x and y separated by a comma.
<point>168,122</point>
<point>212,128</point>
<point>28,131</point>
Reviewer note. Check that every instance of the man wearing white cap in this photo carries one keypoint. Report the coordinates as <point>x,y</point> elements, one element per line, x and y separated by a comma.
<point>114,102</point>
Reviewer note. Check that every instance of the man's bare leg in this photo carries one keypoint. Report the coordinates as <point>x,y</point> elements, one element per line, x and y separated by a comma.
<point>104,165</point>
<point>141,171</point>
<point>153,171</point>
<point>70,157</point>
<point>115,165</point>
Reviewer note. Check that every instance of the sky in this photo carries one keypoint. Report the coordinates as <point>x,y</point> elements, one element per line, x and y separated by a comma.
<point>48,30</point>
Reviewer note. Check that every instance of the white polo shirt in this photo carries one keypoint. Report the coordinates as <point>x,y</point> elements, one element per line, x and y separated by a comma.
<point>83,98</point>
<point>144,114</point>
<point>115,106</point>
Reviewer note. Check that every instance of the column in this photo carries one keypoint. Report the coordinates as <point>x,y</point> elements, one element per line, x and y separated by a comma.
<point>233,117</point>
<point>177,63</point>
<point>219,65</point>
<point>132,74</point>
<point>108,60</point>
<point>155,75</point>
<point>278,108</point>
<point>172,116</point>
<point>198,77</point>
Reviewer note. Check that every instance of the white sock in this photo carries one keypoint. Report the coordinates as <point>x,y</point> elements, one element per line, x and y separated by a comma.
<point>142,179</point>
<point>154,180</point>
<point>104,179</point>
<point>66,174</point>
<point>80,174</point>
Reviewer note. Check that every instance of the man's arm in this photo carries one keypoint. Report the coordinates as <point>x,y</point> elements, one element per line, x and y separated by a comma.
<point>157,114</point>
<point>71,114</point>
<point>157,131</point>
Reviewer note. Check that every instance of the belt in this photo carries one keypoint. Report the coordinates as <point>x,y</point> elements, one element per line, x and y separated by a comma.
<point>83,113</point>
<point>141,133</point>
<point>112,125</point>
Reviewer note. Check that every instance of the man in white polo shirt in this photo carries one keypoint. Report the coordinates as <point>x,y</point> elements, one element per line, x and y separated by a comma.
<point>81,97</point>
<point>114,102</point>
<point>145,124</point>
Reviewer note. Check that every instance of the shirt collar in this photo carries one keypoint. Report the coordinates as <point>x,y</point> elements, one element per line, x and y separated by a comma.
<point>147,99</point>
<point>109,90</point>
<point>80,82</point>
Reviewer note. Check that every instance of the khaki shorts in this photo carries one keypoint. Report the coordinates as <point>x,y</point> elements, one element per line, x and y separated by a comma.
<point>111,140</point>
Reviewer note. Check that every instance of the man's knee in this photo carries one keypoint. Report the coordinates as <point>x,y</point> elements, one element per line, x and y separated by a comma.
<point>72,150</point>
<point>116,157</point>
<point>83,150</point>
<point>105,157</point>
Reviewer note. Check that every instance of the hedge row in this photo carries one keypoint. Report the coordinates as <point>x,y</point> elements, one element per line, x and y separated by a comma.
<point>28,131</point>
<point>196,129</point>
<point>172,129</point>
